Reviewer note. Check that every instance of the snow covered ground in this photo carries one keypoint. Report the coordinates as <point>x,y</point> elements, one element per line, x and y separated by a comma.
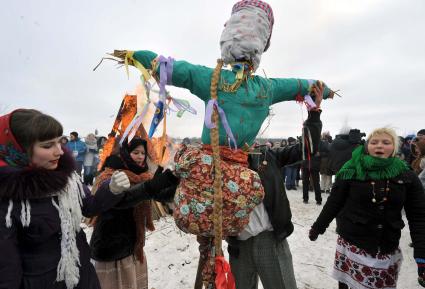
<point>173,255</point>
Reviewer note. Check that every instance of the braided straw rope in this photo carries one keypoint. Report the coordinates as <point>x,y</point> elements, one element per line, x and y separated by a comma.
<point>218,194</point>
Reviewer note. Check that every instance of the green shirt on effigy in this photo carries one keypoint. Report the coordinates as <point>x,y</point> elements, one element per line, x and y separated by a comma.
<point>246,108</point>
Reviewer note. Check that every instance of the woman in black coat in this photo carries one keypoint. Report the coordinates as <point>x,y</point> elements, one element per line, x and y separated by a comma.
<point>119,233</point>
<point>367,200</point>
<point>42,201</point>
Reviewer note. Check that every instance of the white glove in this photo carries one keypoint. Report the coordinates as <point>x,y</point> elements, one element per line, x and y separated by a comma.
<point>119,183</point>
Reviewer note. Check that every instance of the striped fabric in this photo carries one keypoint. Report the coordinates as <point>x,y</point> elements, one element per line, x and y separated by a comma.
<point>255,3</point>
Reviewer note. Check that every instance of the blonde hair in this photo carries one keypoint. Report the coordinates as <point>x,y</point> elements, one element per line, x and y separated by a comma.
<point>388,131</point>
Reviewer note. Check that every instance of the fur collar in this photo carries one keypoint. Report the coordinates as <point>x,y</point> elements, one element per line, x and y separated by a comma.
<point>28,183</point>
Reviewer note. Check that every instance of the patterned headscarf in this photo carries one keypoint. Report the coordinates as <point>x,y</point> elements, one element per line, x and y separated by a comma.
<point>11,152</point>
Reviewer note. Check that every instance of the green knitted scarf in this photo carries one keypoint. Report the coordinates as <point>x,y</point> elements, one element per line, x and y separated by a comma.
<point>361,165</point>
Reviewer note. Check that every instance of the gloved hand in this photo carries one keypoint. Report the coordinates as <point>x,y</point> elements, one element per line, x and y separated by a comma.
<point>119,182</point>
<point>421,271</point>
<point>312,234</point>
<point>160,181</point>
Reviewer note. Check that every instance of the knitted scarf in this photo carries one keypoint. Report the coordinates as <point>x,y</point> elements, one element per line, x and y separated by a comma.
<point>362,166</point>
<point>142,213</point>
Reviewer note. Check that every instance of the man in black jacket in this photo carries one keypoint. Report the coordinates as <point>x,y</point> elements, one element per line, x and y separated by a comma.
<point>261,249</point>
<point>342,147</point>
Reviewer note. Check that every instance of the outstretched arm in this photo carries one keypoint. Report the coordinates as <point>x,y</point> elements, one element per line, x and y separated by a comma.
<point>284,89</point>
<point>312,127</point>
<point>196,78</point>
<point>333,205</point>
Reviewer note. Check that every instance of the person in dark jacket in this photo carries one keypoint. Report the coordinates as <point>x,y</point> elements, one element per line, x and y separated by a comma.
<point>418,163</point>
<point>325,174</point>
<point>119,233</point>
<point>291,170</point>
<point>341,148</point>
<point>367,200</point>
<point>42,201</point>
<point>261,249</point>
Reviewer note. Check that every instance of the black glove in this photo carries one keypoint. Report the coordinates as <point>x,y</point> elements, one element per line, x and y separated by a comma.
<point>161,187</point>
<point>312,234</point>
<point>161,180</point>
<point>166,194</point>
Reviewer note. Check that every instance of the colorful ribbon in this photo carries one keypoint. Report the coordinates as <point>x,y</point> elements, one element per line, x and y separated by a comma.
<point>137,64</point>
<point>183,105</point>
<point>165,75</point>
<point>224,278</point>
<point>309,102</point>
<point>209,124</point>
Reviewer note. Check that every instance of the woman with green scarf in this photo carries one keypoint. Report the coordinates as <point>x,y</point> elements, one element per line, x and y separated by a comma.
<point>367,200</point>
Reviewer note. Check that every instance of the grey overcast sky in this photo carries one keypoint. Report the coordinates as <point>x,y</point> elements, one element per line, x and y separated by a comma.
<point>372,50</point>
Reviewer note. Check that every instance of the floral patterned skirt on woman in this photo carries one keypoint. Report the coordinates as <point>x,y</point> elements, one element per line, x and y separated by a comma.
<point>361,270</point>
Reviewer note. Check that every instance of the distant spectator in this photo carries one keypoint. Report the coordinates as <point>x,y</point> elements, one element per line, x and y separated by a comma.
<point>325,173</point>
<point>186,141</point>
<point>269,143</point>
<point>101,142</point>
<point>291,170</point>
<point>64,140</point>
<point>406,148</point>
<point>399,152</point>
<point>342,147</point>
<point>418,163</point>
<point>78,150</point>
<point>90,158</point>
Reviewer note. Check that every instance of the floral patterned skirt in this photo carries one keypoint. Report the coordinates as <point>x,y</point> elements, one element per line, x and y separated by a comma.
<point>194,199</point>
<point>360,270</point>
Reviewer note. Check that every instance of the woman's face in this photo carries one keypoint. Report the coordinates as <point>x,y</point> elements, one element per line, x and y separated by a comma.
<point>46,154</point>
<point>138,155</point>
<point>381,146</point>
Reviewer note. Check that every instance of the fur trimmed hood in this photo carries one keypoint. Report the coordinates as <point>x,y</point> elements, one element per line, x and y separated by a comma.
<point>19,183</point>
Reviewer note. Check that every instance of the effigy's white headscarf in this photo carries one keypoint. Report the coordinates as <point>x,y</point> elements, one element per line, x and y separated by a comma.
<point>247,33</point>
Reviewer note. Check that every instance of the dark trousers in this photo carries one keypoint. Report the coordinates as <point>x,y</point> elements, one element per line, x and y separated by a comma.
<point>314,175</point>
<point>79,167</point>
<point>88,175</point>
<point>291,175</point>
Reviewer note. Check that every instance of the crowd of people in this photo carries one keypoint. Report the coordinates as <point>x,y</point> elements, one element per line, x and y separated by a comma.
<point>228,187</point>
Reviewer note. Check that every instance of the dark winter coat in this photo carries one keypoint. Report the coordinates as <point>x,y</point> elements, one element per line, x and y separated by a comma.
<point>324,147</point>
<point>275,200</point>
<point>115,235</point>
<point>376,226</point>
<point>30,255</point>
<point>339,153</point>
